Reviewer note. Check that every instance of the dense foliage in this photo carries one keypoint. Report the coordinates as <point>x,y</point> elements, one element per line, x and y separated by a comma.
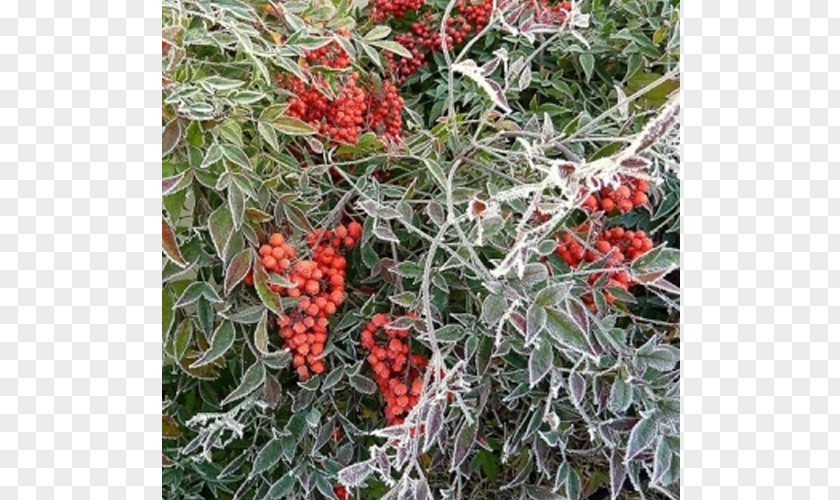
<point>421,249</point>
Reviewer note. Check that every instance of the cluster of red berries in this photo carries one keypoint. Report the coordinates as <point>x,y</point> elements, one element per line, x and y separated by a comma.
<point>384,110</point>
<point>631,193</point>
<point>617,244</point>
<point>353,110</point>
<point>425,37</point>
<point>317,283</point>
<point>397,372</point>
<point>396,8</point>
<point>340,118</point>
<point>331,55</point>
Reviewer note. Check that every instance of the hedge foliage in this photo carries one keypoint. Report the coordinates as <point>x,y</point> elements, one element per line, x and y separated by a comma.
<point>551,372</point>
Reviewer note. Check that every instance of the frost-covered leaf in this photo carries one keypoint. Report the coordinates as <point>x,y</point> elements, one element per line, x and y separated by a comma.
<point>641,437</point>
<point>618,473</point>
<point>354,475</point>
<point>464,442</point>
<point>493,308</point>
<point>540,362</point>
<point>251,381</point>
<point>222,340</point>
<point>363,384</point>
<point>237,269</point>
<point>565,331</point>
<point>383,232</point>
<point>170,245</point>
<point>268,456</point>
<point>195,291</point>
<point>553,294</point>
<point>220,225</point>
<point>621,396</point>
<point>661,459</point>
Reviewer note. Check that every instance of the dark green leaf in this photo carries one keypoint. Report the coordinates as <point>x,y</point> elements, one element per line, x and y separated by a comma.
<point>222,340</point>
<point>251,381</point>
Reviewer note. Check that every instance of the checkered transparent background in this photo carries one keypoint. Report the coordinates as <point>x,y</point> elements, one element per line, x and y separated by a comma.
<point>80,267</point>
<point>760,239</point>
<point>80,249</point>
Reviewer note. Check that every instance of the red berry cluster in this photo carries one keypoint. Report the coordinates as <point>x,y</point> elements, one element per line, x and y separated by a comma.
<point>617,243</point>
<point>630,194</point>
<point>397,373</point>
<point>396,8</point>
<point>476,14</point>
<point>385,110</point>
<point>353,110</point>
<point>340,118</point>
<point>424,37</point>
<point>331,55</point>
<point>317,283</point>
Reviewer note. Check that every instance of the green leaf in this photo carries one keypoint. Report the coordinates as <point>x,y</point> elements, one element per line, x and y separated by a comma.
<point>493,308</point>
<point>640,437</point>
<point>183,336</point>
<point>219,83</point>
<point>195,134</point>
<point>464,442</point>
<point>378,32</point>
<point>404,299</point>
<point>237,269</point>
<point>657,259</point>
<point>167,304</point>
<point>661,460</point>
<point>269,134</point>
<point>408,269</point>
<point>540,362</point>
<point>170,245</point>
<point>222,340</point>
<point>196,290</point>
<point>269,298</point>
<point>251,381</point>
<point>621,396</point>
<point>450,333</point>
<point>292,126</point>
<point>281,487</point>
<point>267,457</point>
<point>534,322</point>
<point>553,294</point>
<point>220,225</point>
<point>662,358</point>
<point>236,155</point>
<point>249,315</point>
<point>566,332</point>
<point>236,202</point>
<point>587,61</point>
<point>213,155</point>
<point>393,47</point>
<point>205,314</point>
<point>231,131</point>
<point>363,384</point>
